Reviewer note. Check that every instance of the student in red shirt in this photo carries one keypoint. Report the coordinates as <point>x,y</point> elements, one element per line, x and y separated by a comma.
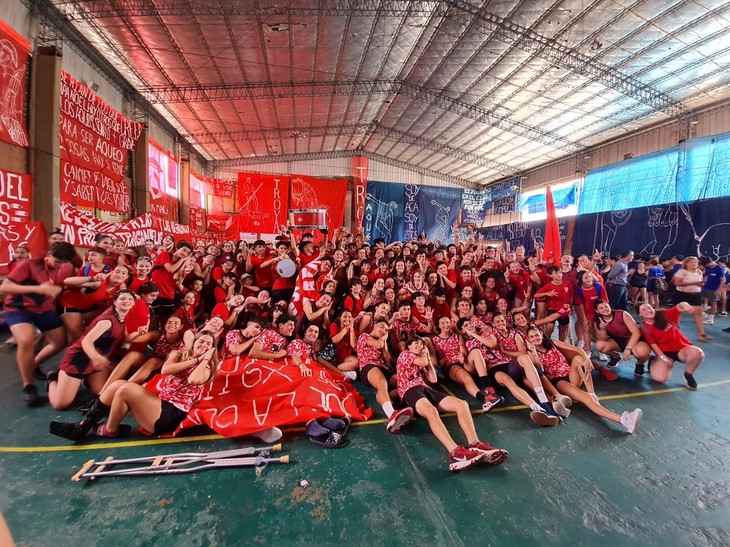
<point>31,290</point>
<point>142,269</point>
<point>163,275</point>
<point>661,330</point>
<point>260,262</point>
<point>559,296</point>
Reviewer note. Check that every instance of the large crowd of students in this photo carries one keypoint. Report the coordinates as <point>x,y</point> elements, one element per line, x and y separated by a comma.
<point>400,318</point>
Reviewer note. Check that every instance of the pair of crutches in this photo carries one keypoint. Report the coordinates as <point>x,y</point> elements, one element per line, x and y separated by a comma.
<point>177,464</point>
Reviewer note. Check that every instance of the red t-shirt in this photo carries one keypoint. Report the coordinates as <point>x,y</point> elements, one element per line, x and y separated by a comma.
<point>221,310</point>
<point>564,296</point>
<point>138,316</point>
<point>162,278</point>
<point>34,271</point>
<point>669,339</point>
<point>587,298</point>
<point>344,349</point>
<point>263,277</point>
<point>136,283</point>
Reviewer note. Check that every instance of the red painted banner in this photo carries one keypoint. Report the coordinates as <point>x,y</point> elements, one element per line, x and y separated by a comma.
<point>304,288</point>
<point>360,171</point>
<point>95,140</point>
<point>220,188</point>
<point>31,235</point>
<point>197,193</point>
<point>14,56</point>
<point>80,229</point>
<point>162,181</point>
<point>313,193</point>
<point>263,202</point>
<point>16,200</point>
<point>217,223</point>
<point>251,395</point>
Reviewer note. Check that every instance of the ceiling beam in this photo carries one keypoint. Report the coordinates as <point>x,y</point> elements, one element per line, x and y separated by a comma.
<point>235,164</point>
<point>563,56</point>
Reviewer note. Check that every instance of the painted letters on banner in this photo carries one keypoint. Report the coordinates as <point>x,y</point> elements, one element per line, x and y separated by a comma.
<point>95,140</point>
<point>360,170</point>
<point>474,205</point>
<point>263,202</point>
<point>162,173</point>
<point>314,193</point>
<point>14,55</point>
<point>219,188</point>
<point>15,207</point>
<point>250,395</point>
<point>411,212</point>
<point>80,230</point>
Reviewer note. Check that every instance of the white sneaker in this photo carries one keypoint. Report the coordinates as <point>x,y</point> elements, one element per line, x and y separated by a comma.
<point>630,420</point>
<point>709,321</point>
<point>705,316</point>
<point>563,399</point>
<point>350,375</point>
<point>603,357</point>
<point>560,409</point>
<point>580,344</point>
<point>269,435</point>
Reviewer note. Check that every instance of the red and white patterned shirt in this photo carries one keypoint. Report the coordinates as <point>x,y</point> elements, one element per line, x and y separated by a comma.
<point>409,374</point>
<point>491,356</point>
<point>554,363</point>
<point>508,342</point>
<point>301,348</point>
<point>271,341</point>
<point>447,348</point>
<point>176,390</point>
<point>233,338</point>
<point>368,355</point>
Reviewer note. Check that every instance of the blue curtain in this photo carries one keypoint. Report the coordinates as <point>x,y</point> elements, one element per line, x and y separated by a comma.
<point>563,198</point>
<point>438,209</point>
<point>383,215</point>
<point>638,182</point>
<point>704,168</point>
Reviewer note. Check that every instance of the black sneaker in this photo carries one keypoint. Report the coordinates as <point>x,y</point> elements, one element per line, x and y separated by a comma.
<point>639,370</point>
<point>50,378</point>
<point>690,380</point>
<point>613,362</point>
<point>726,330</point>
<point>30,395</point>
<point>38,374</point>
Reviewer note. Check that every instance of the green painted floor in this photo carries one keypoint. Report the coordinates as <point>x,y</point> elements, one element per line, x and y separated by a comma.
<point>582,483</point>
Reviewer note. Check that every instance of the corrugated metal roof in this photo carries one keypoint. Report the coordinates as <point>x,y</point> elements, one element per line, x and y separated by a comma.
<point>474,91</point>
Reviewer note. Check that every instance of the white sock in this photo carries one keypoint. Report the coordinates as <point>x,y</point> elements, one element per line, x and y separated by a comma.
<point>535,406</point>
<point>388,408</point>
<point>541,395</point>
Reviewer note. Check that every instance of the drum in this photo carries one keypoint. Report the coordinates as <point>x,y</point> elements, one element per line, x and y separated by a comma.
<point>308,219</point>
<point>286,267</point>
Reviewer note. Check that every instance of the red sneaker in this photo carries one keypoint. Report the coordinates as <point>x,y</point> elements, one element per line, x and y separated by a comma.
<point>399,418</point>
<point>462,457</point>
<point>491,399</point>
<point>607,374</point>
<point>492,456</point>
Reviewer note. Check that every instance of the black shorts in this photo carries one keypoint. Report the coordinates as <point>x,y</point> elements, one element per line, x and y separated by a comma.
<point>674,355</point>
<point>445,369</point>
<point>562,320</point>
<point>281,294</point>
<point>170,417</point>
<point>621,342</point>
<point>692,298</point>
<point>364,371</point>
<point>554,381</point>
<point>43,321</point>
<point>513,369</point>
<point>415,394</point>
<point>163,306</point>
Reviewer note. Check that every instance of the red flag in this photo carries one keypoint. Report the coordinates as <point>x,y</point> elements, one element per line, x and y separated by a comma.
<point>305,287</point>
<point>552,252</point>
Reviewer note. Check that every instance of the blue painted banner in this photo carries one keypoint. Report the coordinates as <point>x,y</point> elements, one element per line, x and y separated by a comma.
<point>522,233</point>
<point>383,215</point>
<point>474,206</point>
<point>701,228</point>
<point>563,198</point>
<point>439,209</point>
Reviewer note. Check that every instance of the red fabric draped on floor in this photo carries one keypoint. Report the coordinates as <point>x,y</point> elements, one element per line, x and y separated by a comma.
<point>254,394</point>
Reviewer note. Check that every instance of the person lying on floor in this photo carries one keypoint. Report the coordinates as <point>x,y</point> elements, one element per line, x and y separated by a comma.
<point>186,372</point>
<point>414,368</point>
